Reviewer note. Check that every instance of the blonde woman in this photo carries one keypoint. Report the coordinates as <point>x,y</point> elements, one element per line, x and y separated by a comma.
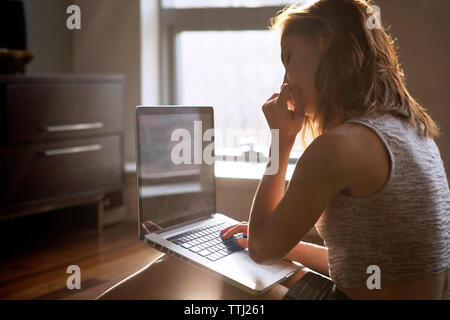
<point>372,181</point>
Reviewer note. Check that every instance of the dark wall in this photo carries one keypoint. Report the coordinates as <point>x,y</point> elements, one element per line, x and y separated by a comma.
<point>422,29</point>
<point>48,36</point>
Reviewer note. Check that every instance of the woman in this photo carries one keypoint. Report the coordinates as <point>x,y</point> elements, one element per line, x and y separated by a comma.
<point>372,181</point>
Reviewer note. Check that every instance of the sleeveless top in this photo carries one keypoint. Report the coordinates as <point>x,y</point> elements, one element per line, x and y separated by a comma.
<point>404,227</point>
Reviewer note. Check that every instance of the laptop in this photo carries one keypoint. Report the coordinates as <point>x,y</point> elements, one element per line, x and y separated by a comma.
<point>177,198</point>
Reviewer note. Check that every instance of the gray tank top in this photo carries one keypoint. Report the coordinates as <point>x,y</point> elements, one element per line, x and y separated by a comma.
<point>404,227</point>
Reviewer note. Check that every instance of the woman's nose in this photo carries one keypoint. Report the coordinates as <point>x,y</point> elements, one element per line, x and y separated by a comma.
<point>285,80</point>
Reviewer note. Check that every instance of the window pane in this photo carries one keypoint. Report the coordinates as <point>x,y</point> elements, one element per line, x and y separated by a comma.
<point>223,3</point>
<point>235,72</point>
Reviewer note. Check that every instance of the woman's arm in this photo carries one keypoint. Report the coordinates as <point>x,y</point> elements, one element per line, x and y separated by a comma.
<point>279,220</point>
<point>284,125</point>
<point>327,166</point>
<point>311,256</point>
<point>270,190</point>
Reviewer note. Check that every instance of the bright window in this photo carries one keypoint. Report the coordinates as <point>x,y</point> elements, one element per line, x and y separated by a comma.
<point>227,58</point>
<point>234,71</point>
<point>222,3</point>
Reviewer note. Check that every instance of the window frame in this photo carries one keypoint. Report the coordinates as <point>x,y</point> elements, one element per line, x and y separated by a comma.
<point>175,20</point>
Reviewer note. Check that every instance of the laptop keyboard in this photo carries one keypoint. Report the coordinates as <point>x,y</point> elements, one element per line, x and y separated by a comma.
<point>207,242</point>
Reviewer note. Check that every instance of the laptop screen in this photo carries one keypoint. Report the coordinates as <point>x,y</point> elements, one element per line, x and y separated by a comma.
<point>176,166</point>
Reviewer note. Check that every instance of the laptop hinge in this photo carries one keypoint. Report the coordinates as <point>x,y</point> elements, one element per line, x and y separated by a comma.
<point>204,217</point>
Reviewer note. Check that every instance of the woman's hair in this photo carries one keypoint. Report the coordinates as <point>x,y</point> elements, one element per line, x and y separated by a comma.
<point>359,74</point>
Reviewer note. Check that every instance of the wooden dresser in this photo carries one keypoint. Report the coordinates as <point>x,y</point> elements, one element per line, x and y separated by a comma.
<point>60,141</point>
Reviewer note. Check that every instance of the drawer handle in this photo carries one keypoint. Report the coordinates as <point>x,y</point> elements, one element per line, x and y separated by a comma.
<point>56,152</point>
<point>74,127</point>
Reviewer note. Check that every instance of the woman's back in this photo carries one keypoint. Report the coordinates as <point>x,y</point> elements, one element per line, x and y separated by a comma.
<point>402,228</point>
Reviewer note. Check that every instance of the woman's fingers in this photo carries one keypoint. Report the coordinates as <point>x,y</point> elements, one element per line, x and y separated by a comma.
<point>270,101</point>
<point>234,225</point>
<point>237,228</point>
<point>276,94</point>
<point>284,95</point>
<point>242,243</point>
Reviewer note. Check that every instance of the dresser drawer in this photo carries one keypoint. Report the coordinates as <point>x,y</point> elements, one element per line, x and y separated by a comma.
<point>48,170</point>
<point>47,112</point>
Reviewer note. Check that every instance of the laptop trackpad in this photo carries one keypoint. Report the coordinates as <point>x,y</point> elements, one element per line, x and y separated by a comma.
<point>240,267</point>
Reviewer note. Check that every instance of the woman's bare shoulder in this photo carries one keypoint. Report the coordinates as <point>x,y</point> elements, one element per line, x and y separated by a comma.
<point>362,155</point>
<point>354,138</point>
<point>354,149</point>
<point>336,150</point>
<point>353,131</point>
<point>343,140</point>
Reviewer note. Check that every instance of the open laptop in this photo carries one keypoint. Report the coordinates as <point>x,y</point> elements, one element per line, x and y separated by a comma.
<point>177,198</point>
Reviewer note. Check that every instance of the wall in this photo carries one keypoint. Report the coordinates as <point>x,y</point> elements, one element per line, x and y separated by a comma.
<point>109,42</point>
<point>150,68</point>
<point>47,36</point>
<point>422,31</point>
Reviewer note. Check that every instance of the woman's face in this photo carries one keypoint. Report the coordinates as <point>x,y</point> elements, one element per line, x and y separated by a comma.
<point>301,57</point>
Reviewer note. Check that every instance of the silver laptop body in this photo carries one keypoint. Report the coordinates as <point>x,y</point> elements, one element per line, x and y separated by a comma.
<point>178,197</point>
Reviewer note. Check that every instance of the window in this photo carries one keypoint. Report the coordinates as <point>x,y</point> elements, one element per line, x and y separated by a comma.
<point>226,57</point>
<point>222,3</point>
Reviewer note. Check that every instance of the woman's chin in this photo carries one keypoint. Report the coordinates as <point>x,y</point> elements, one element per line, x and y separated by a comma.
<point>301,107</point>
<point>308,112</point>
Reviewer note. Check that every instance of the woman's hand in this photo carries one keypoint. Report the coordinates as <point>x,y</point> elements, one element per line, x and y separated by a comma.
<point>237,228</point>
<point>281,113</point>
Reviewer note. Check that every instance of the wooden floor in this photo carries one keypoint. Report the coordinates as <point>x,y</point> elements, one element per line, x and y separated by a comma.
<point>35,256</point>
